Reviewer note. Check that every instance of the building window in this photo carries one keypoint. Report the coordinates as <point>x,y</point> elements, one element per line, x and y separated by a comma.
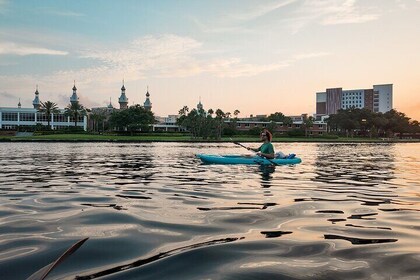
<point>247,125</point>
<point>12,117</point>
<point>27,117</point>
<point>11,127</point>
<point>40,117</point>
<point>79,119</point>
<point>60,118</point>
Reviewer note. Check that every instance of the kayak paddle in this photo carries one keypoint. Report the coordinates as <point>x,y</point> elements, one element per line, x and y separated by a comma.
<point>43,272</point>
<point>239,144</point>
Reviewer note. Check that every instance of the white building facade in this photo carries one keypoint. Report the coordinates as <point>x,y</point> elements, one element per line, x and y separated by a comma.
<point>27,118</point>
<point>21,118</point>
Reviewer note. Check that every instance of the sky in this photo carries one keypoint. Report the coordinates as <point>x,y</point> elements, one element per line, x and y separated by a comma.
<point>255,56</point>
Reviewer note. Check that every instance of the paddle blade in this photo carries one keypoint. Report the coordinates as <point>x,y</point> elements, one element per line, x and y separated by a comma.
<point>43,272</point>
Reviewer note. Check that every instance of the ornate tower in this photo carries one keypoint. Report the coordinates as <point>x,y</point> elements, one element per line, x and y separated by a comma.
<point>19,105</point>
<point>199,105</point>
<point>110,104</point>
<point>147,104</point>
<point>74,98</point>
<point>36,102</point>
<point>123,100</point>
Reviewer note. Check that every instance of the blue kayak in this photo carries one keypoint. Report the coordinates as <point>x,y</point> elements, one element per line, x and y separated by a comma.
<point>241,159</point>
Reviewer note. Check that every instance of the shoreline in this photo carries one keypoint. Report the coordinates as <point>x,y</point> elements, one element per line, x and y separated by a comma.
<point>173,139</point>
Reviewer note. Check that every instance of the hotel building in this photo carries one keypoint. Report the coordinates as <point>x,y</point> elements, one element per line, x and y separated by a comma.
<point>377,99</point>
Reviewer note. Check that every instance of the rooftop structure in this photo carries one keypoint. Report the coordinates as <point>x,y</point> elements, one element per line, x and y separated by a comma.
<point>36,103</point>
<point>74,98</point>
<point>147,104</point>
<point>123,100</point>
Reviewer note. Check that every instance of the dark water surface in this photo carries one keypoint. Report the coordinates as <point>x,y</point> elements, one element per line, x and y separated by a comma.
<point>153,211</point>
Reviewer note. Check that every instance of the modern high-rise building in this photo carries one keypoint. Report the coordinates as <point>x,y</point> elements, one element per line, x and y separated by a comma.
<point>377,99</point>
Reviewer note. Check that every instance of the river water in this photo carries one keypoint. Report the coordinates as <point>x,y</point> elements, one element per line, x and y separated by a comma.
<point>153,211</point>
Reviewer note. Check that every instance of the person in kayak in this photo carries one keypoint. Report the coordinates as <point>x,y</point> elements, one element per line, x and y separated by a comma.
<point>266,149</point>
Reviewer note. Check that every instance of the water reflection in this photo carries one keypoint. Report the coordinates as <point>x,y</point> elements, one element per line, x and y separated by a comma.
<point>360,241</point>
<point>356,164</point>
<point>266,172</point>
<point>154,211</point>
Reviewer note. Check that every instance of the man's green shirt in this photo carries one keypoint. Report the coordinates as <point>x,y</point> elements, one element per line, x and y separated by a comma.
<point>266,148</point>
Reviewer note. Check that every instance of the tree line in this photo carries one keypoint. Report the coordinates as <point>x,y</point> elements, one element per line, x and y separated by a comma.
<point>73,110</point>
<point>134,118</point>
<point>363,122</point>
<point>212,124</point>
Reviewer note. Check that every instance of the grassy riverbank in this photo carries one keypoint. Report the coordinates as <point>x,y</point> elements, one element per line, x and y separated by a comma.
<point>180,138</point>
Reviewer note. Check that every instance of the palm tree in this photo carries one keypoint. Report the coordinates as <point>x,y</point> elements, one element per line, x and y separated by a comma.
<point>98,116</point>
<point>49,108</point>
<point>220,115</point>
<point>308,122</point>
<point>75,110</point>
<point>236,113</point>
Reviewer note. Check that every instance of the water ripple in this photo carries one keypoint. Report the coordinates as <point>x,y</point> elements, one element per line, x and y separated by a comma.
<point>153,211</point>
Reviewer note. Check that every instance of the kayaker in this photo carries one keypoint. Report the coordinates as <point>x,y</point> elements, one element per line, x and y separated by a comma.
<point>266,149</point>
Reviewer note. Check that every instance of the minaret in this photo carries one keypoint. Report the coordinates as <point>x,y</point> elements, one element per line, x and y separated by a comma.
<point>110,104</point>
<point>74,98</point>
<point>199,105</point>
<point>19,105</point>
<point>123,100</point>
<point>147,104</point>
<point>36,102</point>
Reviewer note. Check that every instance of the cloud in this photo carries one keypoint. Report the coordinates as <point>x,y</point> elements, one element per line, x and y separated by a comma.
<point>148,57</point>
<point>310,55</point>
<point>51,11</point>
<point>83,99</point>
<point>224,28</point>
<point>3,6</point>
<point>329,12</point>
<point>234,67</point>
<point>232,22</point>
<point>149,50</point>
<point>7,95</point>
<point>299,15</point>
<point>22,50</point>
<point>172,56</point>
<point>260,10</point>
<point>341,12</point>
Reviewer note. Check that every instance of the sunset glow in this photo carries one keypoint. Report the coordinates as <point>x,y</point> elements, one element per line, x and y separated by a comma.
<point>258,57</point>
